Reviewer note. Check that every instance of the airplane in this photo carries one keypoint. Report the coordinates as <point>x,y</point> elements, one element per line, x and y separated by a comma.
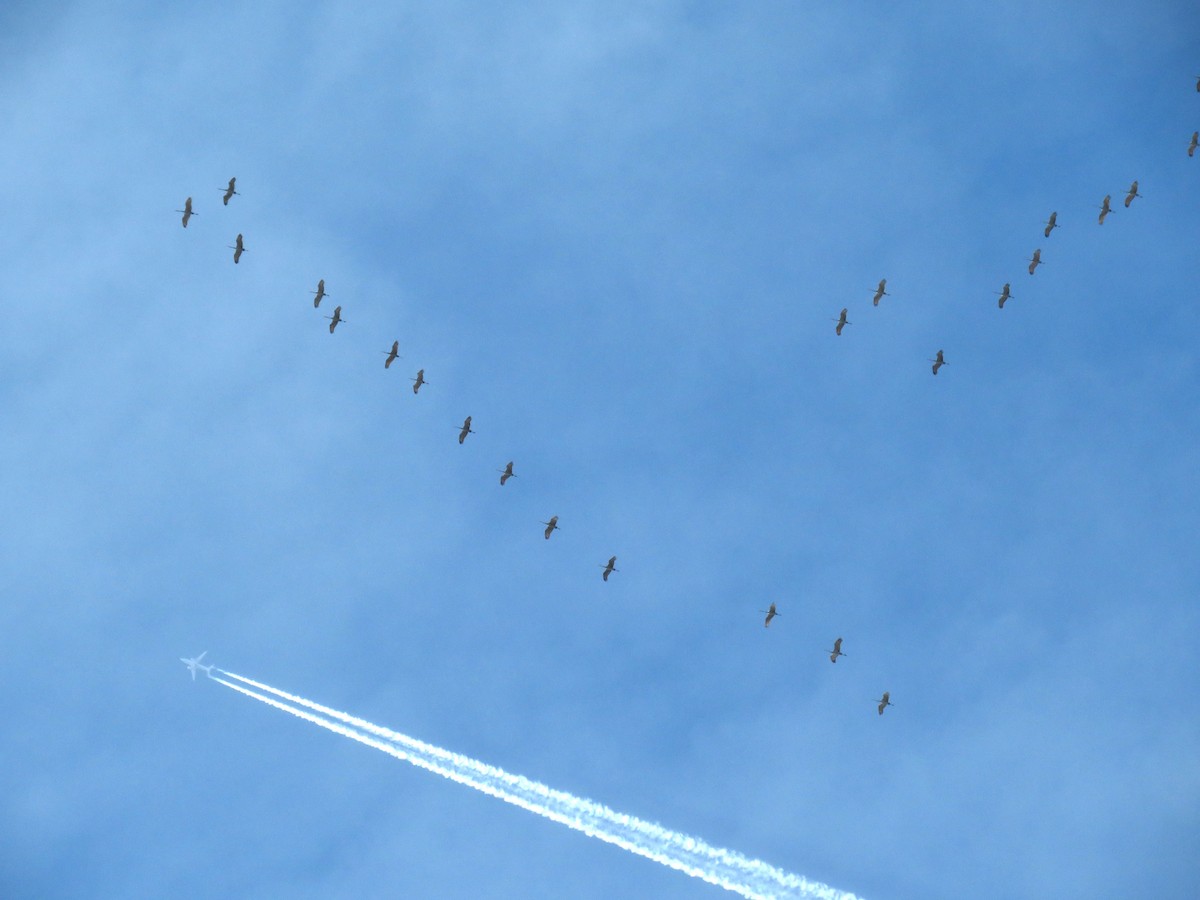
<point>771,613</point>
<point>610,568</point>
<point>506,473</point>
<point>194,664</point>
<point>836,651</point>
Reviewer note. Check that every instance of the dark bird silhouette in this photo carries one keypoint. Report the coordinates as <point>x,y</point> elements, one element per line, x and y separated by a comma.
<point>229,191</point>
<point>938,362</point>
<point>418,381</point>
<point>771,613</point>
<point>880,292</point>
<point>841,322</point>
<point>187,210</point>
<point>884,701</point>
<point>466,429</point>
<point>238,249</point>
<point>610,568</point>
<point>551,526</point>
<point>836,651</point>
<point>335,318</point>
<point>506,473</point>
<point>1051,223</point>
<point>392,355</point>
<point>320,292</point>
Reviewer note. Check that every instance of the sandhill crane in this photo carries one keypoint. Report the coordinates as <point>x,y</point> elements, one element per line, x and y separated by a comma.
<point>841,321</point>
<point>884,701</point>
<point>466,429</point>
<point>880,292</point>
<point>320,292</point>
<point>610,567</point>
<point>1004,295</point>
<point>1198,82</point>
<point>1195,141</point>
<point>1105,209</point>
<point>238,249</point>
<point>771,613</point>
<point>1051,223</point>
<point>418,381</point>
<point>551,526</point>
<point>335,318</point>
<point>506,473</point>
<point>229,191</point>
<point>392,355</point>
<point>187,206</point>
<point>1132,193</point>
<point>938,362</point>
<point>836,651</point>
<point>1035,260</point>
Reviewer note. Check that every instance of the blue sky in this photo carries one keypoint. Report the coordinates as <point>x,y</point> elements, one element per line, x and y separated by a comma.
<point>615,235</point>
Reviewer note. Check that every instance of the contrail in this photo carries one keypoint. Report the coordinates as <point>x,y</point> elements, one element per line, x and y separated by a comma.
<point>724,868</point>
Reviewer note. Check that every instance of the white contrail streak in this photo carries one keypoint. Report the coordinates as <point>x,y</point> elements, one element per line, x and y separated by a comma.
<point>725,868</point>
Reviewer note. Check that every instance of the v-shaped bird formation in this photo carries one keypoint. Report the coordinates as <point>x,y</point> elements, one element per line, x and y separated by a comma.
<point>842,320</point>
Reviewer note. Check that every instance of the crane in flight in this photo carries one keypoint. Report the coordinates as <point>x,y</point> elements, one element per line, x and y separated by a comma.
<point>609,567</point>
<point>418,381</point>
<point>841,322</point>
<point>335,318</point>
<point>938,362</point>
<point>466,429</point>
<point>320,293</point>
<point>1035,260</point>
<point>551,526</point>
<point>1194,143</point>
<point>1051,223</point>
<point>1004,295</point>
<point>1105,209</point>
<point>1133,192</point>
<point>229,191</point>
<point>506,473</point>
<point>836,651</point>
<point>187,210</point>
<point>771,613</point>
<point>392,355</point>
<point>884,702</point>
<point>880,291</point>
<point>238,249</point>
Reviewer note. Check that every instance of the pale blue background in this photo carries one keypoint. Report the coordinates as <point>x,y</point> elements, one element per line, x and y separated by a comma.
<point>615,234</point>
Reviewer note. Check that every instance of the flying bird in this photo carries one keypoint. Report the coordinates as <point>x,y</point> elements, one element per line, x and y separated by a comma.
<point>187,206</point>
<point>1133,192</point>
<point>466,428</point>
<point>1004,295</point>
<point>880,292</point>
<point>1198,82</point>
<point>238,249</point>
<point>506,473</point>
<point>418,381</point>
<point>939,362</point>
<point>884,701</point>
<point>610,567</point>
<point>335,318</point>
<point>1035,260</point>
<point>229,191</point>
<point>392,355</point>
<point>771,613</point>
<point>1051,223</point>
<point>1195,141</point>
<point>1105,209</point>
<point>551,526</point>
<point>836,651</point>
<point>320,292</point>
<point>841,321</point>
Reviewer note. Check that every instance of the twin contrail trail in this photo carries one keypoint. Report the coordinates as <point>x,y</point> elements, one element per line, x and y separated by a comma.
<point>725,868</point>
